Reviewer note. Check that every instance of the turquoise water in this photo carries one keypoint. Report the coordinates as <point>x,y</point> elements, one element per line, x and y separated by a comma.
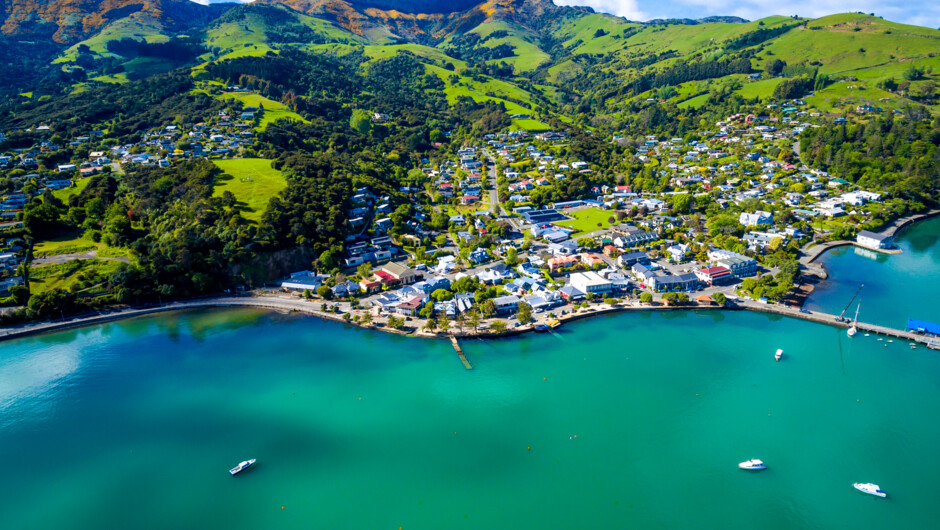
<point>897,287</point>
<point>628,421</point>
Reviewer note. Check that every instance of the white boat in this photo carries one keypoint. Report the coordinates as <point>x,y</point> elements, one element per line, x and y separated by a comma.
<point>778,355</point>
<point>854,329</point>
<point>871,489</point>
<point>242,466</point>
<point>753,465</point>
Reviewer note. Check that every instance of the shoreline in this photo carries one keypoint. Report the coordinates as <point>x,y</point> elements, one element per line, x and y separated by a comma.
<point>287,305</point>
<point>810,255</point>
<point>291,304</point>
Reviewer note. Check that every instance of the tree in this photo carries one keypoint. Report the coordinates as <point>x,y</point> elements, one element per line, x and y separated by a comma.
<point>19,294</point>
<point>427,311</point>
<point>473,318</point>
<point>325,292</point>
<point>306,294</point>
<point>720,299</point>
<point>442,295</point>
<point>364,270</point>
<point>498,326</point>
<point>395,322</point>
<point>366,318</point>
<point>682,203</point>
<point>512,256</point>
<point>646,298</point>
<point>488,308</point>
<point>774,67</point>
<point>524,313</point>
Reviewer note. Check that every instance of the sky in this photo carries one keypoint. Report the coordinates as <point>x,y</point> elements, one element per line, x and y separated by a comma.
<point>918,12</point>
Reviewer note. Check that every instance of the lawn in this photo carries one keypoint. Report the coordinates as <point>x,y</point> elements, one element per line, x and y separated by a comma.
<point>586,220</point>
<point>74,243</point>
<point>273,110</point>
<point>65,275</point>
<point>77,187</point>
<point>253,181</point>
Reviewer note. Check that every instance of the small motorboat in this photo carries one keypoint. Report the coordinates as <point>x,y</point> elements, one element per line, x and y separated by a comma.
<point>753,465</point>
<point>871,489</point>
<point>542,328</point>
<point>778,355</point>
<point>242,466</point>
<point>554,323</point>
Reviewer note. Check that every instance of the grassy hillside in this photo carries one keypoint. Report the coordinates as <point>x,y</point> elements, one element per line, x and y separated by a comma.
<point>252,181</point>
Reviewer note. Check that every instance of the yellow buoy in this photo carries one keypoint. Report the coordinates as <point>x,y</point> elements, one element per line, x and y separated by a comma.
<point>282,507</point>
<point>528,448</point>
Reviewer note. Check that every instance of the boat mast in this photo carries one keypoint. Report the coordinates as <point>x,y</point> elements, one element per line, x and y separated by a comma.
<point>848,305</point>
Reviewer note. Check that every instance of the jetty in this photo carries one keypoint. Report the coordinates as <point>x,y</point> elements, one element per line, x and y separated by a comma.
<point>833,320</point>
<point>460,353</point>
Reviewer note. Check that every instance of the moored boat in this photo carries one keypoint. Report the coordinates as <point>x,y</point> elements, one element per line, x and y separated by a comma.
<point>242,466</point>
<point>778,355</point>
<point>871,489</point>
<point>554,323</point>
<point>542,328</point>
<point>753,464</point>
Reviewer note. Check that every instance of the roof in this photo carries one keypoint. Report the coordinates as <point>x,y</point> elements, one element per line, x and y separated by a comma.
<point>872,235</point>
<point>711,271</point>
<point>923,326</point>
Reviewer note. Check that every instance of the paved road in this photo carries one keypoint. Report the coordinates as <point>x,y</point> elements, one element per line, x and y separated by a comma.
<point>497,206</point>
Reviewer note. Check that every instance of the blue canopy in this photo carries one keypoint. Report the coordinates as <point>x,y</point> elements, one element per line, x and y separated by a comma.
<point>922,326</point>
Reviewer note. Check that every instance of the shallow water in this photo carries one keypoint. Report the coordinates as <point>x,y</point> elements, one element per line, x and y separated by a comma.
<point>633,420</point>
<point>897,287</point>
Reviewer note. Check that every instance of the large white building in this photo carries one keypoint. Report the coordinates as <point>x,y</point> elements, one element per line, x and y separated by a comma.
<point>872,240</point>
<point>591,282</point>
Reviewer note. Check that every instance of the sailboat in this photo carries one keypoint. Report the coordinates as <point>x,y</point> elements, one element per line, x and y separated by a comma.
<point>854,329</point>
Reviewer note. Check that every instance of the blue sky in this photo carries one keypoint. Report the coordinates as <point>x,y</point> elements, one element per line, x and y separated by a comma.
<point>919,12</point>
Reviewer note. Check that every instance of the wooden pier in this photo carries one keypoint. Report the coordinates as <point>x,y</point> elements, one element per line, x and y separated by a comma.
<point>832,320</point>
<point>460,353</point>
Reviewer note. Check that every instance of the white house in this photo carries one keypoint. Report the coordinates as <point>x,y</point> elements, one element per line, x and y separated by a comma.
<point>872,240</point>
<point>591,282</point>
<point>757,218</point>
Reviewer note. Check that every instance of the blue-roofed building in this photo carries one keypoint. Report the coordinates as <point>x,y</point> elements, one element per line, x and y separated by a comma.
<point>923,327</point>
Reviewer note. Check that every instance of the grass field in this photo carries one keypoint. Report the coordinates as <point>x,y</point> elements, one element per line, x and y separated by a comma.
<point>587,220</point>
<point>253,182</point>
<point>77,187</point>
<point>763,89</point>
<point>74,243</point>
<point>65,275</point>
<point>273,110</point>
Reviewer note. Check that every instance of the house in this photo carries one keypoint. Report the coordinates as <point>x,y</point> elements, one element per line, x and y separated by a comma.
<point>478,256</point>
<point>714,275</point>
<point>591,282</point>
<point>677,252</point>
<point>592,260</point>
<point>506,305</point>
<point>560,262</point>
<point>401,273</point>
<point>739,265</point>
<point>67,168</point>
<point>410,306</point>
<point>874,241</point>
<point>302,281</point>
<point>628,259</point>
<point>640,238</point>
<point>571,293</point>
<point>755,219</point>
<point>680,282</point>
<point>642,272</point>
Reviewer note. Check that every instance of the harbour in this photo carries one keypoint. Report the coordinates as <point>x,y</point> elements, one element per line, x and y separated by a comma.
<point>608,421</point>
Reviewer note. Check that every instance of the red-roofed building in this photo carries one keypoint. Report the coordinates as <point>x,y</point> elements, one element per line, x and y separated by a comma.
<point>385,278</point>
<point>714,275</point>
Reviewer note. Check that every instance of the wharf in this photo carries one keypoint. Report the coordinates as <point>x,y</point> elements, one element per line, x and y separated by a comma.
<point>460,353</point>
<point>832,320</point>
